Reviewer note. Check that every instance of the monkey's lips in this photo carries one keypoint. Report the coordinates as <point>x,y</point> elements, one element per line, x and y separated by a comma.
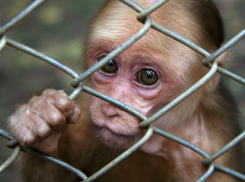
<point>115,140</point>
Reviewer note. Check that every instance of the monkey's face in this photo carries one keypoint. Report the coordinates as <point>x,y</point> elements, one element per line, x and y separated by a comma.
<point>131,79</point>
<point>146,76</point>
<point>142,79</point>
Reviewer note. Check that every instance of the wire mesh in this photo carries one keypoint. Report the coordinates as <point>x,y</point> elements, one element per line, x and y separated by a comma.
<point>143,17</point>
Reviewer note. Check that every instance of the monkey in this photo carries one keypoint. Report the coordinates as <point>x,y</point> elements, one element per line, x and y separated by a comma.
<point>88,133</point>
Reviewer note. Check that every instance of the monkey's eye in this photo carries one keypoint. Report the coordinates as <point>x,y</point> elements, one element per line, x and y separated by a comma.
<point>110,67</point>
<point>147,77</point>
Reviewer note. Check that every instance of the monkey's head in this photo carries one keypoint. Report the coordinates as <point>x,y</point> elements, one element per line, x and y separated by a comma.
<point>154,70</point>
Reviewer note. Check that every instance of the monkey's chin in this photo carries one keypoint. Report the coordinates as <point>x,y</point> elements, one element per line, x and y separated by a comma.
<point>114,140</point>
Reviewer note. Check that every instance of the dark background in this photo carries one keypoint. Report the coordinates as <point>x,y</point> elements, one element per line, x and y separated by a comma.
<point>57,29</point>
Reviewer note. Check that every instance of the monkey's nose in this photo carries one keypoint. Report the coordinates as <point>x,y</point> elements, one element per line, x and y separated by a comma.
<point>109,110</point>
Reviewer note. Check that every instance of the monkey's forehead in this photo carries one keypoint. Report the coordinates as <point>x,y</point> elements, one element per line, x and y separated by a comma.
<point>151,2</point>
<point>117,21</point>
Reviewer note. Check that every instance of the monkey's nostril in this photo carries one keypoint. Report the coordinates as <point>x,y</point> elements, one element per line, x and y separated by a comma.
<point>109,110</point>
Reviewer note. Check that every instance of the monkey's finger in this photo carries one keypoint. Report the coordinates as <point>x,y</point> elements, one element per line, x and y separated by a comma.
<point>64,104</point>
<point>37,125</point>
<point>76,115</point>
<point>24,135</point>
<point>60,100</point>
<point>46,110</point>
<point>27,126</point>
<point>53,117</point>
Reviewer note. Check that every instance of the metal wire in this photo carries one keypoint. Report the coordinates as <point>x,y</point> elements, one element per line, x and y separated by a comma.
<point>143,17</point>
<point>15,154</point>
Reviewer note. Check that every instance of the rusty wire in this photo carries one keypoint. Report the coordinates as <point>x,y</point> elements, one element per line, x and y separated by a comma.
<point>143,17</point>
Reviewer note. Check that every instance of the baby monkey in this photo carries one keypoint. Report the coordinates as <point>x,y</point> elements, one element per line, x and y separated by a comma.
<point>90,132</point>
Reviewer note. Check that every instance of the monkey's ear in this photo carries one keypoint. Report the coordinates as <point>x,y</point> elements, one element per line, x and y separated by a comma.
<point>222,58</point>
<point>212,84</point>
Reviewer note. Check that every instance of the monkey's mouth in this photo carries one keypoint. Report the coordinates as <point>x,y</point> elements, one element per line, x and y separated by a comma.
<point>115,140</point>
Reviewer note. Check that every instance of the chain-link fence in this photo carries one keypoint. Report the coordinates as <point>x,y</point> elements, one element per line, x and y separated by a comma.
<point>146,122</point>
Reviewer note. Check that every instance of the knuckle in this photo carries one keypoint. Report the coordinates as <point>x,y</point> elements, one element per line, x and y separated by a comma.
<point>28,139</point>
<point>64,103</point>
<point>28,113</point>
<point>33,100</point>
<point>44,131</point>
<point>48,92</point>
<point>23,134</point>
<point>35,104</point>
<point>57,119</point>
<point>66,106</point>
<point>61,93</point>
<point>48,95</point>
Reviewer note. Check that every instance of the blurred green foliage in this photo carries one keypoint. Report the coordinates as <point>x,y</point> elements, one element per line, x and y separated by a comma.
<point>57,29</point>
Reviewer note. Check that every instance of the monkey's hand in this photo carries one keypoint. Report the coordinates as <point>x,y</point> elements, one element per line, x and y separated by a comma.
<point>40,122</point>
